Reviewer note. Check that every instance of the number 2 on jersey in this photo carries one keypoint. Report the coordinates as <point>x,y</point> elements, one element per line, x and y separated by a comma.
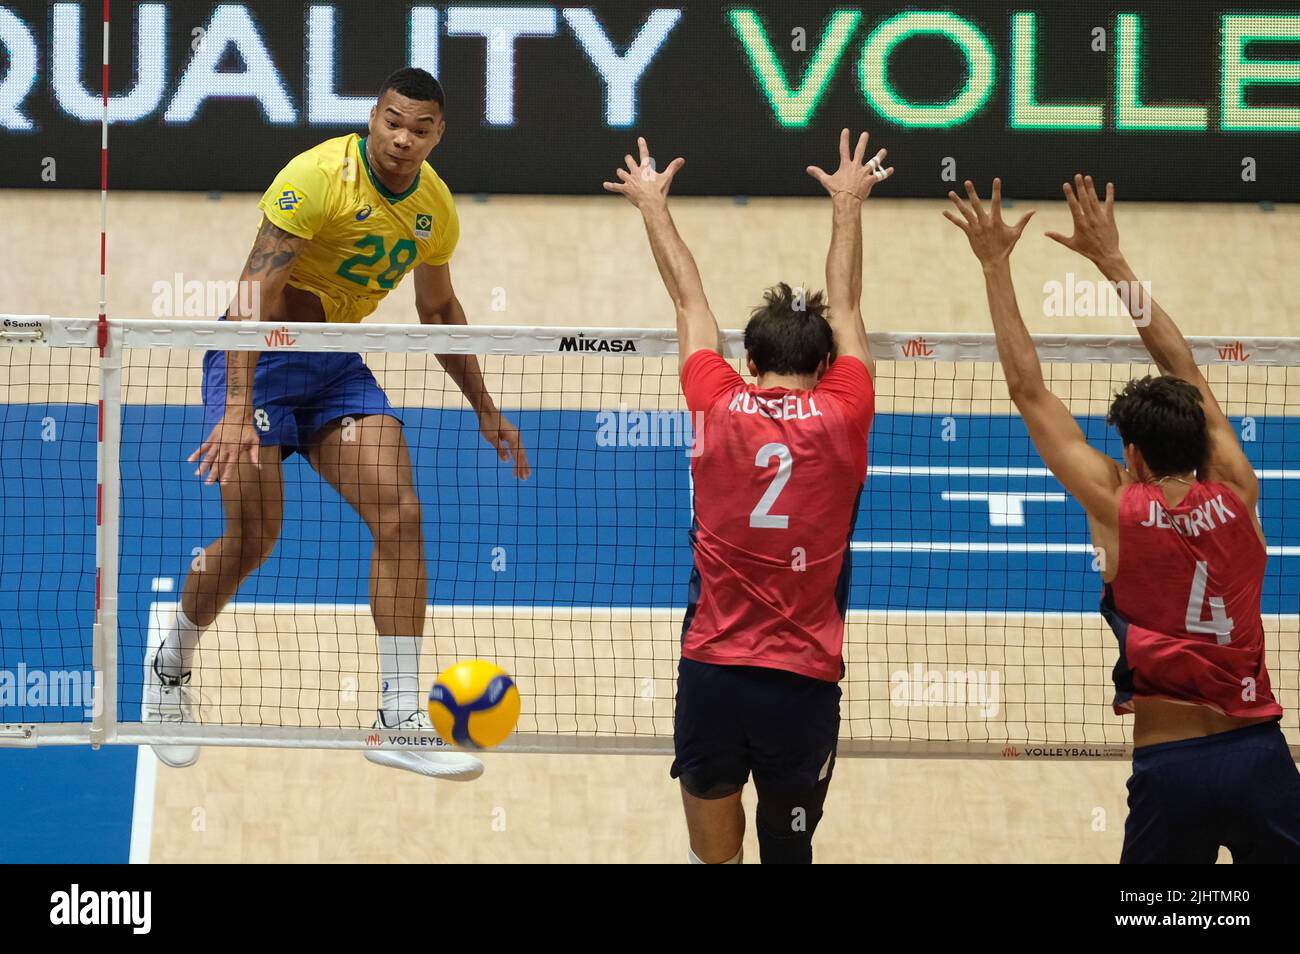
<point>1220,623</point>
<point>762,515</point>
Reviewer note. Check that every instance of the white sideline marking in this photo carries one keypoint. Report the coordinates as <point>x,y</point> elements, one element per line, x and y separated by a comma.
<point>888,470</point>
<point>1005,509</point>
<point>945,546</point>
<point>146,775</point>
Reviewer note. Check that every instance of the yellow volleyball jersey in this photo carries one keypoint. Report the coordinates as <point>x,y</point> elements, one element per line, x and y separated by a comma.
<point>363,237</point>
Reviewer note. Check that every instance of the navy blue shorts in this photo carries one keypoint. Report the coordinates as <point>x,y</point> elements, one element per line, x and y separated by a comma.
<point>295,394</point>
<point>1239,789</point>
<point>733,720</point>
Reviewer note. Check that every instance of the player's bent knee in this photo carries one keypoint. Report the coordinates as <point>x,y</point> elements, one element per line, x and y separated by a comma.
<point>715,819</point>
<point>786,824</point>
<point>254,546</point>
<point>409,511</point>
<point>707,791</point>
<point>252,557</point>
<point>396,519</point>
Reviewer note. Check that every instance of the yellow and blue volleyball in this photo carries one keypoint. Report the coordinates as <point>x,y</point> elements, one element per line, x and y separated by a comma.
<point>474,704</point>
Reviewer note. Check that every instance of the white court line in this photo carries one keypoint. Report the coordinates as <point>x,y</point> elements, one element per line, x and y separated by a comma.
<point>146,776</point>
<point>903,471</point>
<point>945,546</point>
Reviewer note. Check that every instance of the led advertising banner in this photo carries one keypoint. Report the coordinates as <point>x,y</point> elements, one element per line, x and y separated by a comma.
<point>1187,100</point>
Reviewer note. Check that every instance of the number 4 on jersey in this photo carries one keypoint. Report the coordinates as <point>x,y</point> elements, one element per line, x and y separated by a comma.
<point>1220,623</point>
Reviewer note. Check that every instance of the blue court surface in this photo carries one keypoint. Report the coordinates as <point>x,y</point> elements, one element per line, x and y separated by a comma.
<point>967,524</point>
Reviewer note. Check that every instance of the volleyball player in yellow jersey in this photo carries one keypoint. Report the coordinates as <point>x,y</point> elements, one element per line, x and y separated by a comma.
<point>344,223</point>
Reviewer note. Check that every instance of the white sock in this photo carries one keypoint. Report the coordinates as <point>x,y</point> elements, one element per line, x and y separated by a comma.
<point>399,674</point>
<point>180,639</point>
<point>738,860</point>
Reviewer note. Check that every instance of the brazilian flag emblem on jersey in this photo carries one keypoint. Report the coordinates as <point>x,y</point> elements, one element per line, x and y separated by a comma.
<point>423,225</point>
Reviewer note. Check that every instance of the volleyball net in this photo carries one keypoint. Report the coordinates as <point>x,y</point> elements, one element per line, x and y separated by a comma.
<point>972,628</point>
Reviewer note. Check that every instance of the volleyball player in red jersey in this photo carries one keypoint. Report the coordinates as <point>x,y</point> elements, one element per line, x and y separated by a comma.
<point>1182,555</point>
<point>778,469</point>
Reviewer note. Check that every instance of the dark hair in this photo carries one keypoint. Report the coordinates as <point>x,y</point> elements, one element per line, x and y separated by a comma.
<point>1164,417</point>
<point>415,83</point>
<point>789,333</point>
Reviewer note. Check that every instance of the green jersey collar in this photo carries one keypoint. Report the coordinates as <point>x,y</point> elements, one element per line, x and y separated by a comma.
<point>386,192</point>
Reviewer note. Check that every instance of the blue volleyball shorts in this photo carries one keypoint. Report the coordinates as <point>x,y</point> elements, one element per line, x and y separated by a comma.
<point>1239,789</point>
<point>296,394</point>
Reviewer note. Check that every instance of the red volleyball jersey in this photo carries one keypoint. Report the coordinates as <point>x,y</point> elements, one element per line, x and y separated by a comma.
<point>777,475</point>
<point>1185,602</point>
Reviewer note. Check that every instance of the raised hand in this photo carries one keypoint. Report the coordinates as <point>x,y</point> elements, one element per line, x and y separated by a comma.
<point>854,176</point>
<point>640,183</point>
<point>1096,237</point>
<point>991,239</point>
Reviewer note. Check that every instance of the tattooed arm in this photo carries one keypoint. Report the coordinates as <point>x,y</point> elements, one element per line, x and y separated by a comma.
<point>269,262</point>
<point>265,273</point>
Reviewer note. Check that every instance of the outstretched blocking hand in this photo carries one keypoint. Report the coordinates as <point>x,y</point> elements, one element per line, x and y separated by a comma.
<point>640,183</point>
<point>1096,237</point>
<point>854,175</point>
<point>991,239</point>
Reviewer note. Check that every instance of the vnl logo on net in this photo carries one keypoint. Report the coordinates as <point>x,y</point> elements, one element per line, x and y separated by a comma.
<point>52,688</point>
<point>81,907</point>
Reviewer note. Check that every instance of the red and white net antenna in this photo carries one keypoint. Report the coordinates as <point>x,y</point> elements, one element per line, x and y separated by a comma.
<point>103,298</point>
<point>104,721</point>
<point>103,197</point>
